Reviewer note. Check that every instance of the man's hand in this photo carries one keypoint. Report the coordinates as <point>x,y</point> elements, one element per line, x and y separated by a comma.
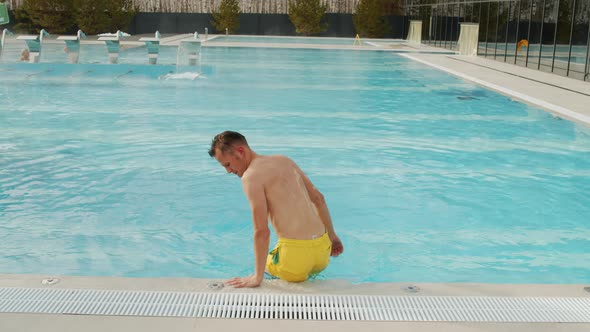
<point>337,247</point>
<point>251,281</point>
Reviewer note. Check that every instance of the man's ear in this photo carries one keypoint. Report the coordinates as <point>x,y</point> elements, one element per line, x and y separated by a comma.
<point>241,151</point>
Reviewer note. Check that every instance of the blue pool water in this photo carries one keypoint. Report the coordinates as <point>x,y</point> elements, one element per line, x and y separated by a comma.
<point>104,169</point>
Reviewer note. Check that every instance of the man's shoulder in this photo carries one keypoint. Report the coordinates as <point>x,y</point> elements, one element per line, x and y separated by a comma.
<point>282,162</point>
<point>280,158</point>
<point>260,168</point>
<point>267,166</point>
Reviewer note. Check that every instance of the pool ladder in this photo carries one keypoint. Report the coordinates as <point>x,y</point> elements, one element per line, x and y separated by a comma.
<point>5,32</point>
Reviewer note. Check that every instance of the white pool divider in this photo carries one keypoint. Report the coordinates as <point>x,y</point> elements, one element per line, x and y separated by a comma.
<point>415,32</point>
<point>468,39</point>
<point>153,47</point>
<point>73,46</point>
<point>470,309</point>
<point>112,42</point>
<point>34,46</point>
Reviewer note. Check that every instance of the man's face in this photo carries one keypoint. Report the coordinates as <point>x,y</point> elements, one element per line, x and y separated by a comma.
<point>232,161</point>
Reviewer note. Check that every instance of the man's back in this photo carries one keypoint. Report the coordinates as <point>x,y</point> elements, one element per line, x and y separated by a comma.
<point>292,213</point>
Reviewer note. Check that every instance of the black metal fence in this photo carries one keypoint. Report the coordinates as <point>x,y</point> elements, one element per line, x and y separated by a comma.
<point>549,35</point>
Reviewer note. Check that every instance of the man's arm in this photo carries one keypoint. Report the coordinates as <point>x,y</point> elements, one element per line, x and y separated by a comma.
<point>320,203</point>
<point>257,198</point>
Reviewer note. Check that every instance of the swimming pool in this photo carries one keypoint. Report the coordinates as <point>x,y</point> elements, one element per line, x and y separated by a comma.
<point>104,169</point>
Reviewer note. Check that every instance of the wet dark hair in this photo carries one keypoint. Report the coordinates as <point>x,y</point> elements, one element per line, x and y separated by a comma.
<point>225,141</point>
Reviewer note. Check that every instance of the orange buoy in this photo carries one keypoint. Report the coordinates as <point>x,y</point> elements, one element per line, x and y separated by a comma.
<point>522,43</point>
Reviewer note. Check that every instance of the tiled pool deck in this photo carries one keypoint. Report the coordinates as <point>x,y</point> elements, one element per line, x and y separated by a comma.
<point>68,322</point>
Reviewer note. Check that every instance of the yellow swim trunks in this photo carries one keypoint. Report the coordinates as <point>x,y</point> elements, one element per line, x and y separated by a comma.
<point>295,260</point>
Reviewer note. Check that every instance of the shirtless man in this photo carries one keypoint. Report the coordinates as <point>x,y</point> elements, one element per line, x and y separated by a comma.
<point>277,189</point>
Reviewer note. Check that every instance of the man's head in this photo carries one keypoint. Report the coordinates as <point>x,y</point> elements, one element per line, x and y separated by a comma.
<point>231,150</point>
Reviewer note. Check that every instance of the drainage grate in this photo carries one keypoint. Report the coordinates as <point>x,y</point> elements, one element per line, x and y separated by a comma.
<point>292,306</point>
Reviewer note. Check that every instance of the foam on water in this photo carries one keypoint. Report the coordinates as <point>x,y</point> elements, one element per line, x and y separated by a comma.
<point>181,76</point>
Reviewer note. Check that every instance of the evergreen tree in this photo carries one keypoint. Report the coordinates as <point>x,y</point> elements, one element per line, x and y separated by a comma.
<point>370,19</point>
<point>227,16</point>
<point>120,13</point>
<point>55,16</point>
<point>307,15</point>
<point>91,16</point>
<point>24,24</point>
